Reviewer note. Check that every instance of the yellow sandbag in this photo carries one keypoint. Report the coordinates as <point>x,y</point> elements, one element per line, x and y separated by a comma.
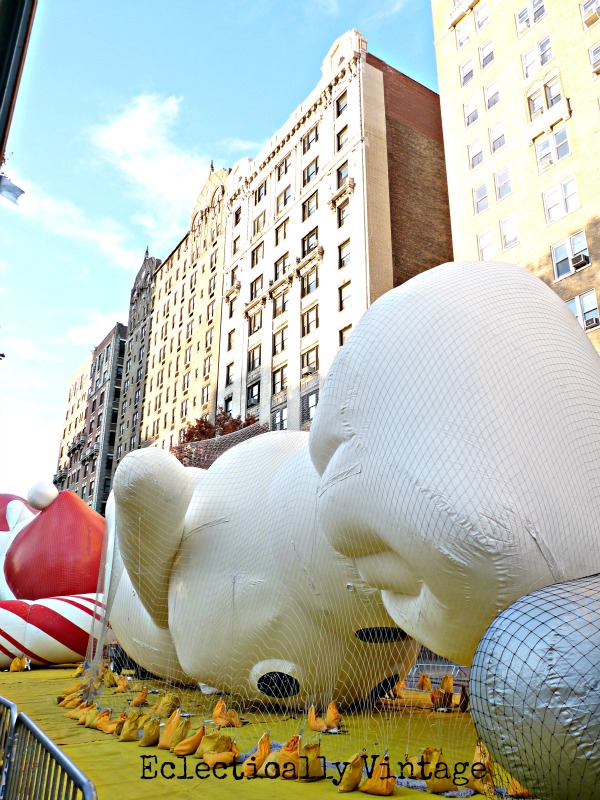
<point>91,717</point>
<point>447,684</point>
<point>143,719</point>
<point>353,773</point>
<point>109,679</point>
<point>122,685</point>
<point>233,719</point>
<point>265,771</point>
<point>167,705</point>
<point>106,726</point>
<point>120,724</point>
<point>428,758</point>
<point>166,738</point>
<point>181,733</point>
<point>75,713</point>
<point>516,790</point>
<point>289,758</point>
<point>129,733</point>
<point>382,781</point>
<point>441,779</point>
<point>226,758</point>
<point>424,682</point>
<point>16,665</point>
<point>399,688</point>
<point>219,712</point>
<point>315,723</point>
<point>83,714</point>
<point>100,720</point>
<point>213,742</point>
<point>483,784</point>
<point>140,699</point>
<point>311,766</point>
<point>251,765</point>
<point>188,746</point>
<point>151,733</point>
<point>333,717</point>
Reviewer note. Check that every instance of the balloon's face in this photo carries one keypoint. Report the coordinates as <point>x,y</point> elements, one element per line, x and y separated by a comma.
<point>445,472</point>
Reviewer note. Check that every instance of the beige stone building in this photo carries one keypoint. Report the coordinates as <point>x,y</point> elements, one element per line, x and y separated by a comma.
<point>520,92</point>
<point>346,200</point>
<point>183,349</point>
<point>133,394</point>
<point>74,437</point>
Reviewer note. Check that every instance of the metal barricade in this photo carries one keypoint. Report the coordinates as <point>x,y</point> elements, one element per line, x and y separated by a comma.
<point>8,718</point>
<point>38,768</point>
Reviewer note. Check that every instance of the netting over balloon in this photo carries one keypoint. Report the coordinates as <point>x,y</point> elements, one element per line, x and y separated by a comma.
<point>451,469</point>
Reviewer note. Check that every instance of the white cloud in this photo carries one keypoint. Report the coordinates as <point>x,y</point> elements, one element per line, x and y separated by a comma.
<point>63,218</point>
<point>165,178</point>
<point>96,327</point>
<point>236,145</point>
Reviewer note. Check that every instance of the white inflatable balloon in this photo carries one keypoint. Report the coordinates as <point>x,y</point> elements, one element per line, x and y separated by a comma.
<point>258,604</point>
<point>457,438</point>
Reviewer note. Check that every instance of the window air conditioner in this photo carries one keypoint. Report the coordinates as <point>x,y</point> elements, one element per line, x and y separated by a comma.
<point>307,371</point>
<point>596,67</point>
<point>580,260</point>
<point>253,401</point>
<point>592,322</point>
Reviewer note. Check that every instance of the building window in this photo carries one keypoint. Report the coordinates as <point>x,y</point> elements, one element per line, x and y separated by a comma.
<point>237,216</point>
<point>344,334</point>
<point>552,148</point>
<point>280,303</point>
<point>491,94</point>
<point>207,365</point>
<point>253,395</point>
<point>509,233</point>
<point>309,361</point>
<point>279,379</point>
<point>471,113</point>
<point>310,281</point>
<point>280,340</point>
<point>481,16</point>
<point>466,72</point>
<point>561,200</point>
<point>310,320</point>
<point>260,192</point>
<point>537,56</point>
<point>254,322</point>
<point>570,255</point>
<point>480,198</point>
<point>310,241</point>
<point>590,12</point>
<point>536,104</point>
<point>205,394</point>
<point>344,296</point>
<point>343,213</point>
<point>486,54</point>
<point>258,254</point>
<point>256,287</point>
<point>529,15</point>
<point>259,223</point>
<point>281,266</point>
<point>485,245</point>
<point>595,58</point>
<point>502,181</point>
<point>552,92</point>
<point>341,104</point>
<point>232,306</point>
<point>309,139</point>
<point>342,138</point>
<point>342,175</point>
<point>310,172</point>
<point>284,198</point>
<point>254,358</point>
<point>279,419</point>
<point>210,311</point>
<point>281,232</point>
<point>308,406</point>
<point>475,153</point>
<point>185,383</point>
<point>585,308</point>
<point>231,340</point>
<point>463,33</point>
<point>497,138</point>
<point>284,167</point>
<point>309,206</point>
<point>229,374</point>
<point>344,254</point>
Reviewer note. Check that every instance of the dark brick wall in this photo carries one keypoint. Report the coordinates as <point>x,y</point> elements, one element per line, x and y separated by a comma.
<point>420,215</point>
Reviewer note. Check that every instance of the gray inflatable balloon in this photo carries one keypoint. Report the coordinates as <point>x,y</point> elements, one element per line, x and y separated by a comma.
<point>535,690</point>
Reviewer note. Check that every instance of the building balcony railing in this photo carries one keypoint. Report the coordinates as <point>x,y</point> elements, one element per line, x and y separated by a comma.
<point>461,7</point>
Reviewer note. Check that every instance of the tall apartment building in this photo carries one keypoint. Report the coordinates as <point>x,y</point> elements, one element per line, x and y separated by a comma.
<point>85,463</point>
<point>520,93</point>
<point>129,428</point>
<point>347,200</point>
<point>183,351</point>
<point>74,437</point>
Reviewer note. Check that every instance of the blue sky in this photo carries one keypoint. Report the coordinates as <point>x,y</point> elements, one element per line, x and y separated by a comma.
<point>121,108</point>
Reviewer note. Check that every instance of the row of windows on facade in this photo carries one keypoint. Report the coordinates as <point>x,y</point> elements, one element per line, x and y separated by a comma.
<point>310,317</point>
<point>308,407</point>
<point>568,256</point>
<point>284,166</point>
<point>167,287</point>
<point>558,201</point>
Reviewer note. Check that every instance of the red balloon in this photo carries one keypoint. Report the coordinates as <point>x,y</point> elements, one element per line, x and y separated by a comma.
<point>58,552</point>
